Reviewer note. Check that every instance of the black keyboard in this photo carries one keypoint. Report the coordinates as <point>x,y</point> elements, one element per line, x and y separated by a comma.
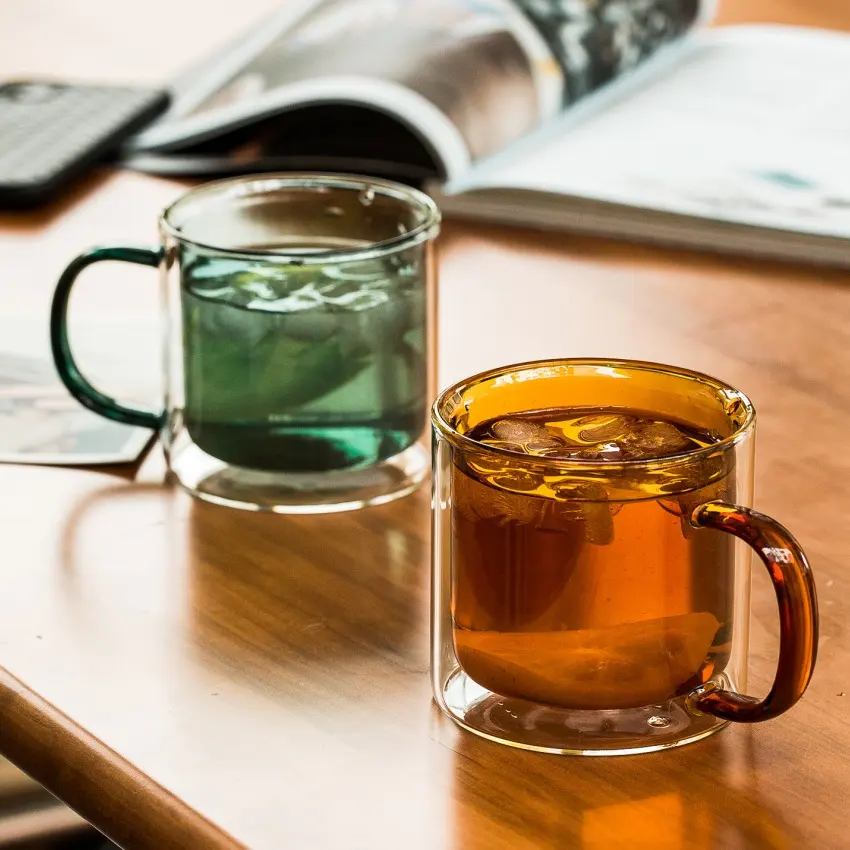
<point>51,132</point>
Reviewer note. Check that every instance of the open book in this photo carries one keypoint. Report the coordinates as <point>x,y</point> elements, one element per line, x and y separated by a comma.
<point>628,118</point>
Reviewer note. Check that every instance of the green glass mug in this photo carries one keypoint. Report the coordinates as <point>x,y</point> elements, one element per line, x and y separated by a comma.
<point>299,344</point>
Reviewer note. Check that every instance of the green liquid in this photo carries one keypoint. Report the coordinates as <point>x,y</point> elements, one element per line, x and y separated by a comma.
<point>304,368</point>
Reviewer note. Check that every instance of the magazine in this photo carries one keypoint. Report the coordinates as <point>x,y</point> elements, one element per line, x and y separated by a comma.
<point>628,118</point>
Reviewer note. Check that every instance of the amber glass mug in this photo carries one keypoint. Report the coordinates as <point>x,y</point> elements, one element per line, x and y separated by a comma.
<point>594,600</point>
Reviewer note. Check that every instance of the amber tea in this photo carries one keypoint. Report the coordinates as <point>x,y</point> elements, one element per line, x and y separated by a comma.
<point>593,530</point>
<point>566,596</point>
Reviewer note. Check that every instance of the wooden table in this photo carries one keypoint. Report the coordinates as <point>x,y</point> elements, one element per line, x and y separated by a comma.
<point>186,676</point>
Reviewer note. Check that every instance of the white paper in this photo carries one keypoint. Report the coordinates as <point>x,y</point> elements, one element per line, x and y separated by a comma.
<point>41,423</point>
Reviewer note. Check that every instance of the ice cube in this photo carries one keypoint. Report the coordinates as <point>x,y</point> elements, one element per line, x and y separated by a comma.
<point>475,500</point>
<point>517,430</point>
<point>303,298</point>
<point>222,315</point>
<point>517,480</point>
<point>217,270</point>
<point>486,465</point>
<point>655,439</point>
<point>612,452</point>
<point>706,480</point>
<point>507,445</point>
<point>520,509</point>
<point>598,523</point>
<point>270,282</point>
<point>593,419</point>
<point>538,445</point>
<point>353,298</point>
<point>590,501</point>
<point>309,325</point>
<point>570,490</point>
<point>262,289</point>
<point>564,518</point>
<point>605,427</point>
<point>384,321</point>
<point>564,453</point>
<point>367,272</point>
<point>219,290</point>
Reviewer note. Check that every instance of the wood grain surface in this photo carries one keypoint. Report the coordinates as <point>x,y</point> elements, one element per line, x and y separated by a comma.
<point>185,676</point>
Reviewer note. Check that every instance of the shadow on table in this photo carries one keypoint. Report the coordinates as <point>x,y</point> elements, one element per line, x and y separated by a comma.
<point>306,607</point>
<point>312,608</point>
<point>700,797</point>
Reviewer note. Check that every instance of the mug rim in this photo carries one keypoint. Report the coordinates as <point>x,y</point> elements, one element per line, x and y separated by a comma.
<point>461,441</point>
<point>258,184</point>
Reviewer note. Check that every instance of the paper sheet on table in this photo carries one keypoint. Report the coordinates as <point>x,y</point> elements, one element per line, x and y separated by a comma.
<point>41,423</point>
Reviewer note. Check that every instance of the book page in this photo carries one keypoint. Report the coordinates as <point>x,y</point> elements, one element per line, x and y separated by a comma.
<point>598,42</point>
<point>750,126</point>
<point>469,76</point>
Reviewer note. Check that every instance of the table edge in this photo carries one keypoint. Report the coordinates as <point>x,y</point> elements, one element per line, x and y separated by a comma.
<point>82,771</point>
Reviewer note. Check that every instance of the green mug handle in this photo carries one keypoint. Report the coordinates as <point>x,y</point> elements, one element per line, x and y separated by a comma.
<point>67,367</point>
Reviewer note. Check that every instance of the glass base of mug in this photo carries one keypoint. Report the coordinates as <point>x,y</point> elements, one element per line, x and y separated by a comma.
<point>212,480</point>
<point>532,726</point>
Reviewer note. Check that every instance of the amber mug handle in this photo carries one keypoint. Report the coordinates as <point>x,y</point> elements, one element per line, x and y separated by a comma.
<point>798,614</point>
